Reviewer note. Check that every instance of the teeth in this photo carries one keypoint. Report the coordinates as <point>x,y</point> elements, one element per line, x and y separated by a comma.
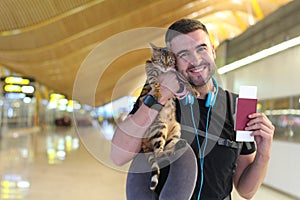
<point>198,70</point>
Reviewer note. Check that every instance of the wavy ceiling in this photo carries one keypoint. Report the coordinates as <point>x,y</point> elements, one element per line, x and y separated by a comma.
<point>94,50</point>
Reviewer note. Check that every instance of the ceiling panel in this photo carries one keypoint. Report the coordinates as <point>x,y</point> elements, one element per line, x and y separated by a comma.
<point>53,40</point>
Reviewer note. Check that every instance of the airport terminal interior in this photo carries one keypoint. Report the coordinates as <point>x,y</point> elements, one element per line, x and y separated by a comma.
<point>71,70</point>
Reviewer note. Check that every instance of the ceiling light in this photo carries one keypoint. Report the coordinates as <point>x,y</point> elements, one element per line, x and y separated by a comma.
<point>28,89</point>
<point>260,55</point>
<point>237,1</point>
<point>221,15</point>
<point>16,80</point>
<point>12,88</point>
<point>27,100</point>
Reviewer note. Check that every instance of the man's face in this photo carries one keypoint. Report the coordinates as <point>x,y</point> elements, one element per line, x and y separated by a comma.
<point>195,56</point>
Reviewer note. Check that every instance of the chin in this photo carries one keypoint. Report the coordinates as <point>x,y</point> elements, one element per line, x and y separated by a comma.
<point>197,83</point>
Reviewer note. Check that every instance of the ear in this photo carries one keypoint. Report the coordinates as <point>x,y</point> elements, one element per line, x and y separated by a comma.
<point>152,45</point>
<point>154,49</point>
<point>214,52</point>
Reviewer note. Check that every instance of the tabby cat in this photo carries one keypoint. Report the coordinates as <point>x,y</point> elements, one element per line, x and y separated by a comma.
<point>162,136</point>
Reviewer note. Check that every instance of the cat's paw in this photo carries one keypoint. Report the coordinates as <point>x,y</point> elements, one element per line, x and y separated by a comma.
<point>160,154</point>
<point>157,92</point>
<point>163,161</point>
<point>180,144</point>
<point>179,148</point>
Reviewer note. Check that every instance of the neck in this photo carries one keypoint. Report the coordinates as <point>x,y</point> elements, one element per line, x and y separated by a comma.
<point>205,89</point>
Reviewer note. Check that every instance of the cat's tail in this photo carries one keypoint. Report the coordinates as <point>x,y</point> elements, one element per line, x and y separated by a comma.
<point>155,171</point>
<point>154,179</point>
<point>156,165</point>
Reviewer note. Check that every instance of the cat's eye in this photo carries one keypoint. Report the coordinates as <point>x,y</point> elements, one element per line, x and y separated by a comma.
<point>170,59</point>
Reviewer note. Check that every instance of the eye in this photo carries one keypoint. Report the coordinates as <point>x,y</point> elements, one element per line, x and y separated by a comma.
<point>160,61</point>
<point>170,59</point>
<point>182,54</point>
<point>201,48</point>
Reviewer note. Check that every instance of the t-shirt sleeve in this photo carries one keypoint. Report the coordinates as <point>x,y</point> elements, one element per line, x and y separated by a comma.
<point>135,106</point>
<point>146,89</point>
<point>248,148</point>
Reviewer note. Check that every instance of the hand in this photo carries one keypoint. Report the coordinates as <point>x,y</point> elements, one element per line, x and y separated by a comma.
<point>168,85</point>
<point>263,131</point>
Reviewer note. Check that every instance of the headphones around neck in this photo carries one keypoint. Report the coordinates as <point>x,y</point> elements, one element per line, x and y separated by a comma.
<point>210,99</point>
<point>209,103</point>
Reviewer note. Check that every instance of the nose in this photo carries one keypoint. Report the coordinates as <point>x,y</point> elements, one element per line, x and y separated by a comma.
<point>195,59</point>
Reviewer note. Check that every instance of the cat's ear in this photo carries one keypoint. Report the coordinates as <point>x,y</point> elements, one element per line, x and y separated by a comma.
<point>153,46</point>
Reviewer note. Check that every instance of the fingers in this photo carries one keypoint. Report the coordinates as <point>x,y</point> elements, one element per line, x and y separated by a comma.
<point>263,131</point>
<point>169,81</point>
<point>260,124</point>
<point>260,120</point>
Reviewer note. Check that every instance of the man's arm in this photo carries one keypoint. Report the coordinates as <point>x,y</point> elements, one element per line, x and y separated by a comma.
<point>127,139</point>
<point>252,169</point>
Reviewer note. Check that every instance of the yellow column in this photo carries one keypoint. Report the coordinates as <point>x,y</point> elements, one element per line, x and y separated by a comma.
<point>37,104</point>
<point>257,9</point>
<point>240,22</point>
<point>2,71</point>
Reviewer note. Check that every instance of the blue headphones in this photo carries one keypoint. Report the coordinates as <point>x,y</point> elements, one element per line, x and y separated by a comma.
<point>210,99</point>
<point>209,103</point>
<point>189,99</point>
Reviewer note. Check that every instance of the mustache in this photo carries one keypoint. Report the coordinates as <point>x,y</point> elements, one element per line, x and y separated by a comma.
<point>201,64</point>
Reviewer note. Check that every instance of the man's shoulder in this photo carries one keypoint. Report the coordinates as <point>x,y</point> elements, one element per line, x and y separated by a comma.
<point>231,96</point>
<point>229,92</point>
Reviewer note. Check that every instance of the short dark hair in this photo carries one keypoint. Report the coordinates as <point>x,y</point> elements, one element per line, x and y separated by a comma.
<point>183,26</point>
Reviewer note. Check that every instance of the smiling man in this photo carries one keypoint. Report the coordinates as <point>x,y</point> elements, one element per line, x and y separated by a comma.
<point>195,58</point>
<point>225,162</point>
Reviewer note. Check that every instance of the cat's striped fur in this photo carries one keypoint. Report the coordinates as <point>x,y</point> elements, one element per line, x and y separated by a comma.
<point>164,133</point>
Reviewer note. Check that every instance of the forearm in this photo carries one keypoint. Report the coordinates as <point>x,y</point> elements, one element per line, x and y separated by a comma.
<point>127,139</point>
<point>253,176</point>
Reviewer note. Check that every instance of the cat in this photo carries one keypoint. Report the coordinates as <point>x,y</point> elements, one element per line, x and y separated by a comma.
<point>163,137</point>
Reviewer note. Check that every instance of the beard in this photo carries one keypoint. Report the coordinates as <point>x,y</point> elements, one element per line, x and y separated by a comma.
<point>201,80</point>
<point>197,82</point>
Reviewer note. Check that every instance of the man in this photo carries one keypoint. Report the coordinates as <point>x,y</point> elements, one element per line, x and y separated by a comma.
<point>189,41</point>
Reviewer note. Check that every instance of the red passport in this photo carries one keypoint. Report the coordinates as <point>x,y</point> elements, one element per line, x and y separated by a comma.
<point>244,107</point>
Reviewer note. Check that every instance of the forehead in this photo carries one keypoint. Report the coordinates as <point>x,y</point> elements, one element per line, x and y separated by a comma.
<point>189,41</point>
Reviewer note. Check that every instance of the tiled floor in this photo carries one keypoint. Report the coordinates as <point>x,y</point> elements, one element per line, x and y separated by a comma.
<point>81,176</point>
